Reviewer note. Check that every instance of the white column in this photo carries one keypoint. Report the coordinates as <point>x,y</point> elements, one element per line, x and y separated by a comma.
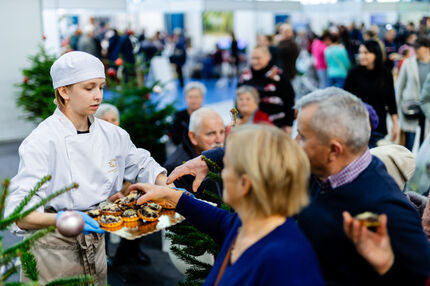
<point>21,34</point>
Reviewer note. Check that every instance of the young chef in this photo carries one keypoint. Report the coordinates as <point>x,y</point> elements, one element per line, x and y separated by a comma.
<point>74,146</point>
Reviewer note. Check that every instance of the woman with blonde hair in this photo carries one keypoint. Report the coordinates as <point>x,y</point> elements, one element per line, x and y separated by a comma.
<point>265,181</point>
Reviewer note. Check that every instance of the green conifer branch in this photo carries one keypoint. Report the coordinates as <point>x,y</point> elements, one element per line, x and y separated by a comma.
<point>29,266</point>
<point>16,217</point>
<point>3,195</point>
<point>30,195</point>
<point>72,281</point>
<point>188,258</point>
<point>194,274</point>
<point>190,283</point>
<point>23,246</point>
<point>214,176</point>
<point>214,167</point>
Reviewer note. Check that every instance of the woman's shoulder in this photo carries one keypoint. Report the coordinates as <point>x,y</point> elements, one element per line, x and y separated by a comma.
<point>289,241</point>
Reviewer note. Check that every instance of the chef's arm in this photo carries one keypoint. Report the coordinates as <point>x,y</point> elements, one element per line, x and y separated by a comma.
<point>37,220</point>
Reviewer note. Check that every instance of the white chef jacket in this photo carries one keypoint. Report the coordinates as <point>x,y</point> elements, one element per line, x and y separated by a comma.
<point>98,161</point>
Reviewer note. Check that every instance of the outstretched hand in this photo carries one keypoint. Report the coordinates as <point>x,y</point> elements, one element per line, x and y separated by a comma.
<point>196,167</point>
<point>154,193</point>
<point>375,247</point>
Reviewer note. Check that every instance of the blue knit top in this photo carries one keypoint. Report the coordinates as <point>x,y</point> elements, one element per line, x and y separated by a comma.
<point>282,257</point>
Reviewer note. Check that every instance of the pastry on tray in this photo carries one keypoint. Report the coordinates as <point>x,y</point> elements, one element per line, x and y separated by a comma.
<point>95,213</point>
<point>368,219</point>
<point>129,200</point>
<point>147,213</point>
<point>130,215</point>
<point>165,204</point>
<point>110,221</point>
<point>111,209</point>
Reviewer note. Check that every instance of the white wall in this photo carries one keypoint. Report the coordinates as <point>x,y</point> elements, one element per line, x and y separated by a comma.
<point>21,34</point>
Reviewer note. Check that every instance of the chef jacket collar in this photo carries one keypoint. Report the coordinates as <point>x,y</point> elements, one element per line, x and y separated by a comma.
<point>68,125</point>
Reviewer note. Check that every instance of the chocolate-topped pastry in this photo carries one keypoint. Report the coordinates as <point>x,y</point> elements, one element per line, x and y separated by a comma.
<point>111,209</point>
<point>165,204</point>
<point>147,213</point>
<point>368,219</point>
<point>130,215</point>
<point>110,221</point>
<point>153,206</point>
<point>94,213</point>
<point>129,200</point>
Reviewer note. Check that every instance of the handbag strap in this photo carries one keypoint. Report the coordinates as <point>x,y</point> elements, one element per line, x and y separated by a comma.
<point>225,262</point>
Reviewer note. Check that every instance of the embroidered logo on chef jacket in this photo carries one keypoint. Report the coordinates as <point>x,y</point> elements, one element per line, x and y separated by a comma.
<point>112,166</point>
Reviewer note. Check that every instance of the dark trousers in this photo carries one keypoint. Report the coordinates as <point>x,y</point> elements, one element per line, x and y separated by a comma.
<point>180,75</point>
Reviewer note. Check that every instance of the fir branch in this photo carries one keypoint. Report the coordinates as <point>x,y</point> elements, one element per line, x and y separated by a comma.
<point>214,176</point>
<point>72,281</point>
<point>23,246</point>
<point>194,274</point>
<point>211,164</point>
<point>8,273</point>
<point>3,195</point>
<point>30,195</point>
<point>16,217</point>
<point>188,258</point>
<point>190,283</point>
<point>29,266</point>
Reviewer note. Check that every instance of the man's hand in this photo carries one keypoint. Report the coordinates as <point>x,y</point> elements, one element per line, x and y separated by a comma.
<point>375,247</point>
<point>196,167</point>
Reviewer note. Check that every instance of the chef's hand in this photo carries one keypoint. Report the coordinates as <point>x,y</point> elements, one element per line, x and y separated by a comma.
<point>196,167</point>
<point>124,192</point>
<point>90,224</point>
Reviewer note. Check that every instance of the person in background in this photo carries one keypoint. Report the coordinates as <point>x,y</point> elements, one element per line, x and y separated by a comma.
<point>337,61</point>
<point>108,112</point>
<point>206,131</point>
<point>390,48</point>
<point>373,83</point>
<point>318,47</point>
<point>273,86</point>
<point>74,39</point>
<point>179,55</point>
<point>194,96</point>
<point>264,178</point>
<point>288,50</point>
<point>411,78</point>
<point>425,97</point>
<point>247,100</point>
<point>411,37</point>
<point>87,42</point>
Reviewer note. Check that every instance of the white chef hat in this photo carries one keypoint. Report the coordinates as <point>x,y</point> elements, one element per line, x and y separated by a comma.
<point>74,67</point>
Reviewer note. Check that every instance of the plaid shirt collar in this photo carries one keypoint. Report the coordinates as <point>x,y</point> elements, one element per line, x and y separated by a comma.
<point>347,174</point>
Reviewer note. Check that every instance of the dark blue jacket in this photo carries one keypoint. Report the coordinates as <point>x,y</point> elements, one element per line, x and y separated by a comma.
<point>373,190</point>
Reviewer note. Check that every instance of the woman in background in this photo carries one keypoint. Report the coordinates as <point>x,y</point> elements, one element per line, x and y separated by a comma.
<point>373,83</point>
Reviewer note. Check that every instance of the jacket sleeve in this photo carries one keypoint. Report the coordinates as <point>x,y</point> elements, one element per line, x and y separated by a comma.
<point>286,92</point>
<point>209,219</point>
<point>410,246</point>
<point>390,96</point>
<point>33,166</point>
<point>426,221</point>
<point>425,98</point>
<point>139,165</point>
<point>177,130</point>
<point>401,82</point>
<point>215,155</point>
